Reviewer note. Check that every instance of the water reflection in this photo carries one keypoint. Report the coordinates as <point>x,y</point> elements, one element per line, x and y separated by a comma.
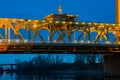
<point>14,76</point>
<point>8,76</point>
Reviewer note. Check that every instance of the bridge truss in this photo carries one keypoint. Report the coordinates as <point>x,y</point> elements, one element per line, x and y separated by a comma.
<point>66,31</point>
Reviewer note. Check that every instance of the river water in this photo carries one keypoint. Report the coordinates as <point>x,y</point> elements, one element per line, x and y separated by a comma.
<point>14,76</point>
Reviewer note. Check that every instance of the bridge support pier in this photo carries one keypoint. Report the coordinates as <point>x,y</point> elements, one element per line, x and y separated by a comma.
<point>112,65</point>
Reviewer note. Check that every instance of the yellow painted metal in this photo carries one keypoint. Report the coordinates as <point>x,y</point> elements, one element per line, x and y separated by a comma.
<point>60,10</point>
<point>117,11</point>
<point>62,24</point>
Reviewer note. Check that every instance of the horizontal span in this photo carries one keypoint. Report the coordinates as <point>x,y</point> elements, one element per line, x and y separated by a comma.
<point>60,48</point>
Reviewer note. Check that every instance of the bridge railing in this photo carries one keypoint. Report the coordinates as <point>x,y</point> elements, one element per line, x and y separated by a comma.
<point>18,41</point>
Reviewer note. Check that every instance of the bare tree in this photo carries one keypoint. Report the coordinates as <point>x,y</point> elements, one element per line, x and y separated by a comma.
<point>91,58</point>
<point>54,59</point>
<point>79,58</point>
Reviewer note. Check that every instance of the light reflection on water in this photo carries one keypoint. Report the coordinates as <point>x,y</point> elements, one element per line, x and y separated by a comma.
<point>14,76</point>
<point>6,76</point>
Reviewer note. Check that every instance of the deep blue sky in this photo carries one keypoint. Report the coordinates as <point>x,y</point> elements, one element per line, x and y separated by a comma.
<point>88,11</point>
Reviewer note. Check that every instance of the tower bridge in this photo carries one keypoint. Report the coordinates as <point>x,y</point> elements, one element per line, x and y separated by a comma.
<point>66,27</point>
<point>72,37</point>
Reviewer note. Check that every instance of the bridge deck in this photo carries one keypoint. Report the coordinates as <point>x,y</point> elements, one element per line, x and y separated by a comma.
<point>60,48</point>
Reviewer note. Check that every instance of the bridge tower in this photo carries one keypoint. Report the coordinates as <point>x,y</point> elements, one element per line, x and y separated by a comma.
<point>112,61</point>
<point>117,11</point>
<point>60,8</point>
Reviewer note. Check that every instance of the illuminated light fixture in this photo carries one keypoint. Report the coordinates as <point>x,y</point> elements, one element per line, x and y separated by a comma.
<point>105,30</point>
<point>88,41</point>
<point>107,24</point>
<point>21,19</point>
<point>29,20</point>
<point>113,24</point>
<point>43,21</point>
<point>70,22</point>
<point>14,20</point>
<point>57,22</point>
<point>17,40</point>
<point>81,41</point>
<point>89,23</point>
<point>101,24</point>
<point>114,32</point>
<point>119,42</point>
<point>9,40</point>
<point>0,41</point>
<point>77,23</point>
<point>95,23</point>
<point>83,23</point>
<point>107,42</point>
<point>50,21</point>
<point>68,15</point>
<point>25,40</point>
<point>55,41</point>
<point>63,22</point>
<point>6,18</point>
<point>75,41</point>
<point>36,20</point>
<point>35,26</point>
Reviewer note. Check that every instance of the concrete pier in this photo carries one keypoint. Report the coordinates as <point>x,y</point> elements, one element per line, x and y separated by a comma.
<point>112,65</point>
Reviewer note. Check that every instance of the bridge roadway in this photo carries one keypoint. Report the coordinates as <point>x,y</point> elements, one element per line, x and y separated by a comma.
<point>60,48</point>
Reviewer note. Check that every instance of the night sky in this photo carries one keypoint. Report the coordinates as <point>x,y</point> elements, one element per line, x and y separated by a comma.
<point>88,11</point>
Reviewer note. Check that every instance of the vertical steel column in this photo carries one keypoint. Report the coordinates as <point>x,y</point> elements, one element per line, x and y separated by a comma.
<point>107,33</point>
<point>5,29</point>
<point>70,34</point>
<point>69,37</point>
<point>28,34</point>
<point>89,34</point>
<point>84,35</point>
<point>8,34</point>
<point>101,38</point>
<point>51,35</point>
<point>33,36</point>
<point>74,35</point>
<point>15,37</point>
